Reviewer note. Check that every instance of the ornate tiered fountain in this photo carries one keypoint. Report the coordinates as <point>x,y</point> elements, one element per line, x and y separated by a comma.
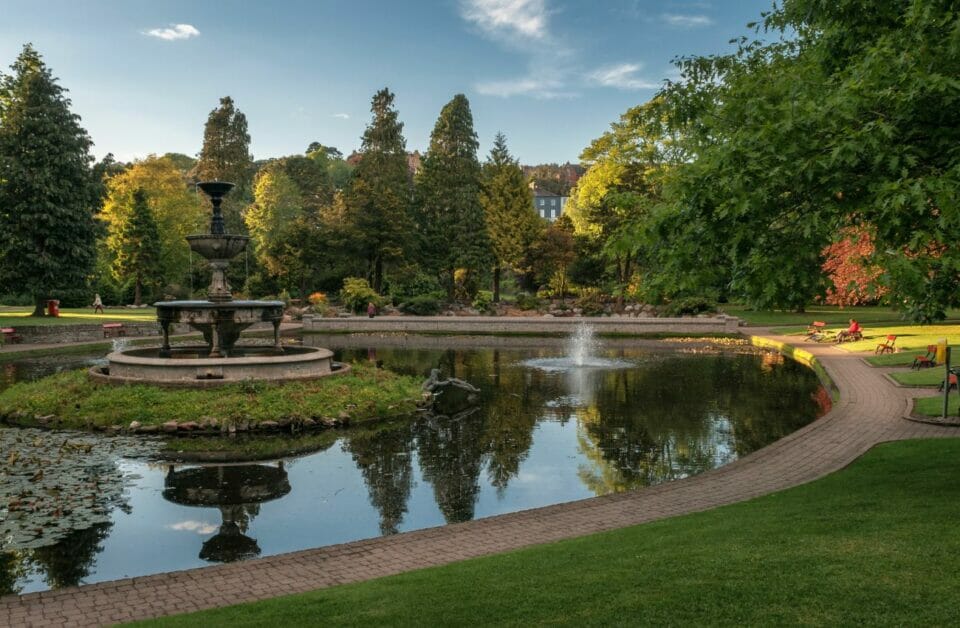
<point>220,319</point>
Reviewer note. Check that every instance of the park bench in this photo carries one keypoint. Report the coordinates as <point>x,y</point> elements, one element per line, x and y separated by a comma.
<point>815,331</point>
<point>887,346</point>
<point>113,329</point>
<point>10,335</point>
<point>952,378</point>
<point>927,360</point>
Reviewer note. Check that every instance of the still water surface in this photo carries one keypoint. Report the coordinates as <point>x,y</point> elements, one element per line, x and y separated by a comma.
<point>537,436</point>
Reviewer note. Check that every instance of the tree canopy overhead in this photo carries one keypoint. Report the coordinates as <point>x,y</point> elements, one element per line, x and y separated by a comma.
<point>836,115</point>
<point>49,190</point>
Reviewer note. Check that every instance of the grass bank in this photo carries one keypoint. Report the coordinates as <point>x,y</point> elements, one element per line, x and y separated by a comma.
<point>873,544</point>
<point>20,316</point>
<point>364,393</point>
<point>831,314</point>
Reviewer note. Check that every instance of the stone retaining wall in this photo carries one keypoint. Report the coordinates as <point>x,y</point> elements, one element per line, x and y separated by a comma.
<point>721,324</point>
<point>56,334</point>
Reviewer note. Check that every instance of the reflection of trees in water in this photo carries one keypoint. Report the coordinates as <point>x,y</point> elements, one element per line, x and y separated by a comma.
<point>384,458</point>
<point>676,416</point>
<point>688,415</point>
<point>67,562</point>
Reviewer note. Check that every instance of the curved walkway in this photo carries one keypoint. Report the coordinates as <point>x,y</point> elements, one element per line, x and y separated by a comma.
<point>869,412</point>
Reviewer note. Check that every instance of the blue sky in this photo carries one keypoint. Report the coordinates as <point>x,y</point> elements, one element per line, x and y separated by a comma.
<point>551,74</point>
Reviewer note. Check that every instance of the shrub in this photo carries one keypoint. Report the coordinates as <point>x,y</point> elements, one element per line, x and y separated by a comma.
<point>317,298</point>
<point>527,301</point>
<point>689,305</point>
<point>405,287</point>
<point>357,293</point>
<point>590,302</point>
<point>483,302</point>
<point>423,305</point>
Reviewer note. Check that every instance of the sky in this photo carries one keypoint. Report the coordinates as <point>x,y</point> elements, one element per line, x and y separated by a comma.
<point>550,74</point>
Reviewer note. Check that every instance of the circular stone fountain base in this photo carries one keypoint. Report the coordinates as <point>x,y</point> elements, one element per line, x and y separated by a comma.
<point>184,368</point>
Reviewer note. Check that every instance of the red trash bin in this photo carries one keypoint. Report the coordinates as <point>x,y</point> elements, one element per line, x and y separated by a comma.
<point>53,307</point>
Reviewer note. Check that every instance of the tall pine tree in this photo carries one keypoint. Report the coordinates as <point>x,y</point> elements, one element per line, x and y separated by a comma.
<point>378,198</point>
<point>48,188</point>
<point>225,156</point>
<point>453,231</point>
<point>137,246</point>
<point>512,222</point>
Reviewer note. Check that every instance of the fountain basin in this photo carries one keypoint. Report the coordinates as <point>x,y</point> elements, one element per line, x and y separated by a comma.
<point>183,368</point>
<point>221,246</point>
<point>220,322</point>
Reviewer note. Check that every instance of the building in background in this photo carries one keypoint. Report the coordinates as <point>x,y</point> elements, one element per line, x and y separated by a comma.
<point>548,204</point>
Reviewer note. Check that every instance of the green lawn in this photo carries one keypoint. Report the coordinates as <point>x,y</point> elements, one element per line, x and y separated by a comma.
<point>20,316</point>
<point>933,406</point>
<point>874,544</point>
<point>924,377</point>
<point>831,314</point>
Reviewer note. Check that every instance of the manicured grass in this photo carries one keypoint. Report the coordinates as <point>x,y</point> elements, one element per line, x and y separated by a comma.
<point>924,377</point>
<point>20,316</point>
<point>830,314</point>
<point>933,406</point>
<point>874,544</point>
<point>364,393</point>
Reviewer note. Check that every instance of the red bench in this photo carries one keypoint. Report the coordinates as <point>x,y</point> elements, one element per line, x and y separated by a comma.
<point>113,329</point>
<point>10,335</point>
<point>887,346</point>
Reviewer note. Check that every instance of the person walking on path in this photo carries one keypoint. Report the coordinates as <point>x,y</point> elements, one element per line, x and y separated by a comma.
<point>371,309</point>
<point>97,303</point>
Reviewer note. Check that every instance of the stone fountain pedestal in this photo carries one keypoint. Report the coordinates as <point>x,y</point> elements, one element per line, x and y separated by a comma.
<point>221,320</point>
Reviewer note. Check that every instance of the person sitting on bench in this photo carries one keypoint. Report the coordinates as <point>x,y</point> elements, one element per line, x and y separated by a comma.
<point>852,332</point>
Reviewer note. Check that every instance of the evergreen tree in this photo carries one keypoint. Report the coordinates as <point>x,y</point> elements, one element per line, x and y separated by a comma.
<point>48,188</point>
<point>512,222</point>
<point>137,246</point>
<point>378,198</point>
<point>225,156</point>
<point>453,231</point>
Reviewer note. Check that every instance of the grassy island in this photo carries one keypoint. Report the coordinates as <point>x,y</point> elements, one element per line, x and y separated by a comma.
<point>71,400</point>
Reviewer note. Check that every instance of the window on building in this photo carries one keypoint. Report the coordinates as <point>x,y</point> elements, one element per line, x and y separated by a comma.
<point>553,202</point>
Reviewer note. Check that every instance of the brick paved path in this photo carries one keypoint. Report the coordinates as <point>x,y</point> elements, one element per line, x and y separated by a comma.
<point>869,412</point>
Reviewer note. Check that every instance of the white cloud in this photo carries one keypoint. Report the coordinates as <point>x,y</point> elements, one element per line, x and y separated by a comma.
<point>174,32</point>
<point>527,18</point>
<point>342,116</point>
<point>686,21</point>
<point>621,76</point>
<point>199,527</point>
<point>544,89</point>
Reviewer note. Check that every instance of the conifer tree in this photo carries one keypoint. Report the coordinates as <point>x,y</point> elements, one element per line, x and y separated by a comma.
<point>452,227</point>
<point>512,222</point>
<point>137,247</point>
<point>225,156</point>
<point>378,198</point>
<point>48,188</point>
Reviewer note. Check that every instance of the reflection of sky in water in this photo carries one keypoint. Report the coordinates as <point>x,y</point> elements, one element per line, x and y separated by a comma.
<point>575,444</point>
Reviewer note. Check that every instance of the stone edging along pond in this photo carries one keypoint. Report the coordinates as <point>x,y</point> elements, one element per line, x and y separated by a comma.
<point>803,357</point>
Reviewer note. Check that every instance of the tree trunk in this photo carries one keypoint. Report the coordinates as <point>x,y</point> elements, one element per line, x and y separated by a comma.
<point>38,305</point>
<point>496,283</point>
<point>378,274</point>
<point>137,290</point>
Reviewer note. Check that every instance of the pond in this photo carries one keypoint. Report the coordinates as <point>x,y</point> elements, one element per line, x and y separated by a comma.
<point>540,432</point>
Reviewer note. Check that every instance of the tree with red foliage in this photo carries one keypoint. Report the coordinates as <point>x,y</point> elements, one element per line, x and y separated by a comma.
<point>856,281</point>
